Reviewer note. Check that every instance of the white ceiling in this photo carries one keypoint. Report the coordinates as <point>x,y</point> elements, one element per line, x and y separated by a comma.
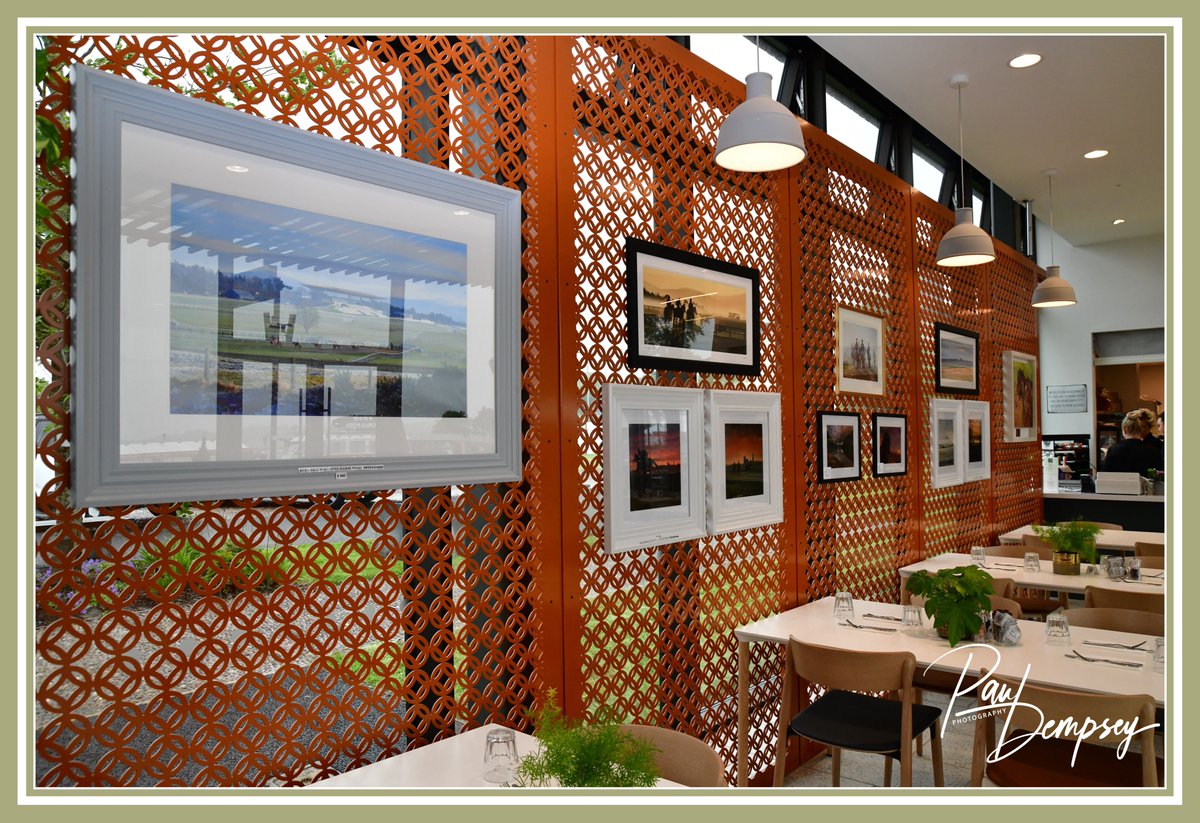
<point>1089,91</point>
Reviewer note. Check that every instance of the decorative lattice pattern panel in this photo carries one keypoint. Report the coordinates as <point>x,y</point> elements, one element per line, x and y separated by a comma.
<point>249,641</point>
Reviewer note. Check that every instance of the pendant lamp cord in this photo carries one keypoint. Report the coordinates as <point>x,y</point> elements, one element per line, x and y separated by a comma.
<point>1050,181</point>
<point>962,162</point>
<point>757,55</point>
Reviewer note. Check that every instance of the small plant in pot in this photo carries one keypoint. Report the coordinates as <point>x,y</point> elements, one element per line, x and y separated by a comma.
<point>1071,542</point>
<point>954,598</point>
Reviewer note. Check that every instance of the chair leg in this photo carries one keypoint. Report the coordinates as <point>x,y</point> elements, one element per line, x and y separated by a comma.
<point>906,766</point>
<point>887,772</point>
<point>917,697</point>
<point>935,751</point>
<point>785,711</point>
<point>837,766</point>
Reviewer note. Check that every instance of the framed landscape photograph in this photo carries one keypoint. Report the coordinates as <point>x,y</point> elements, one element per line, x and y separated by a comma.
<point>956,360</point>
<point>947,461</point>
<point>839,449</point>
<point>745,460</point>
<point>889,439</point>
<point>1020,397</point>
<point>977,440</point>
<point>653,466</point>
<point>690,313</point>
<point>267,311</point>
<point>860,352</point>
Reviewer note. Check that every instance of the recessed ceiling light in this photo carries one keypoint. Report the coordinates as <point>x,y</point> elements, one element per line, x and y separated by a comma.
<point>460,212</point>
<point>1024,61</point>
<point>237,169</point>
<point>1118,221</point>
<point>1094,153</point>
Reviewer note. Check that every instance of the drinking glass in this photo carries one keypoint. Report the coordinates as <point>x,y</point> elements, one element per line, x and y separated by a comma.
<point>978,557</point>
<point>1133,568</point>
<point>1116,567</point>
<point>1058,633</point>
<point>1160,654</point>
<point>1033,562</point>
<point>500,756</point>
<point>913,620</point>
<point>843,606</point>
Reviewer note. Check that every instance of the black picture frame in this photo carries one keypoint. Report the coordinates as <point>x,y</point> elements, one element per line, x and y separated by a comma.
<point>944,383</point>
<point>827,473</point>
<point>739,286</point>
<point>877,419</point>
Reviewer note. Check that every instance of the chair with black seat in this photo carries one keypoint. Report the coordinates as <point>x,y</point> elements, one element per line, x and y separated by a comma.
<point>681,758</point>
<point>1105,598</point>
<point>845,718</point>
<point>1054,762</point>
<point>1118,620</point>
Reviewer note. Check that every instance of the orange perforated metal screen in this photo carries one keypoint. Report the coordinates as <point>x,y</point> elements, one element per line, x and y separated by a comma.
<point>250,641</point>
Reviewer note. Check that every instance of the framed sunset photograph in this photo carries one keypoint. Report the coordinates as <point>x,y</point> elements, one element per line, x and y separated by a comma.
<point>947,463</point>
<point>653,466</point>
<point>839,451</point>
<point>889,438</point>
<point>745,451</point>
<point>690,313</point>
<point>860,352</point>
<point>977,437</point>
<point>1020,397</point>
<point>956,360</point>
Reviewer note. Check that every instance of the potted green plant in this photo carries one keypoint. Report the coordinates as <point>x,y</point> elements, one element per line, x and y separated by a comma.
<point>1070,542</point>
<point>954,598</point>
<point>575,754</point>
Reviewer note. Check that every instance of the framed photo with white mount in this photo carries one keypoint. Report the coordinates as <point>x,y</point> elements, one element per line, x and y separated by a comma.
<point>977,440</point>
<point>860,352</point>
<point>745,459</point>
<point>690,313</point>
<point>266,311</point>
<point>955,360</point>
<point>889,440</point>
<point>653,466</point>
<point>947,463</point>
<point>839,447</point>
<point>1020,397</point>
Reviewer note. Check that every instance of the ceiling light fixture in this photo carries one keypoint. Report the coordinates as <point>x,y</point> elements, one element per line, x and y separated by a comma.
<point>1096,153</point>
<point>760,134</point>
<point>1024,61</point>
<point>1054,291</point>
<point>237,169</point>
<point>1118,221</point>
<point>966,244</point>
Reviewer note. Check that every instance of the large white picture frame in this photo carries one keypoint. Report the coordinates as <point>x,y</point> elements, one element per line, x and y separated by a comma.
<point>745,460</point>
<point>977,440</point>
<point>266,311</point>
<point>1020,397</point>
<point>653,466</point>
<point>947,462</point>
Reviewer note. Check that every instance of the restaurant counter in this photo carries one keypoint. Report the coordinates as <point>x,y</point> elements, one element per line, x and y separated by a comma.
<point>1144,512</point>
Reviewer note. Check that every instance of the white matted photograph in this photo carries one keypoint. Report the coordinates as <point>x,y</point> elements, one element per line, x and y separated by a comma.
<point>947,463</point>
<point>653,466</point>
<point>860,352</point>
<point>745,460</point>
<point>977,440</point>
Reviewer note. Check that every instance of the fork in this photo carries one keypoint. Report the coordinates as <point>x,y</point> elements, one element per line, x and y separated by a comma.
<point>872,628</point>
<point>1138,582</point>
<point>883,617</point>
<point>1104,660</point>
<point>1135,648</point>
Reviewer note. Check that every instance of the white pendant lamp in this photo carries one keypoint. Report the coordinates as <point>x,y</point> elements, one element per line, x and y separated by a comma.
<point>966,244</point>
<point>760,134</point>
<point>1053,292</point>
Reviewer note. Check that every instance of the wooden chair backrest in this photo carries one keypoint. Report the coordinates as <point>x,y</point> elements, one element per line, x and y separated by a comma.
<point>853,670</point>
<point>1108,527</point>
<point>1117,620</point>
<point>681,758</point>
<point>1153,562</point>
<point>1002,586</point>
<point>1096,597</point>
<point>1035,542</point>
<point>1018,550</point>
<point>1004,604</point>
<point>1141,549</point>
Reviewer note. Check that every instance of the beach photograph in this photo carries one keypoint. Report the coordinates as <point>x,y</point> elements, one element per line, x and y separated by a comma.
<point>698,314</point>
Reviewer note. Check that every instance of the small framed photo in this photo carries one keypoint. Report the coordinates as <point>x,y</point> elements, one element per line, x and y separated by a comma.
<point>745,451</point>
<point>860,352</point>
<point>889,444</point>
<point>1020,397</point>
<point>956,360</point>
<point>977,436</point>
<point>839,448</point>
<point>690,313</point>
<point>653,466</point>
<point>947,463</point>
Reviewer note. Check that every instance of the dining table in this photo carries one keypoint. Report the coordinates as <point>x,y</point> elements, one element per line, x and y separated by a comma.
<point>1150,580</point>
<point>1112,540</point>
<point>1038,661</point>
<point>450,763</point>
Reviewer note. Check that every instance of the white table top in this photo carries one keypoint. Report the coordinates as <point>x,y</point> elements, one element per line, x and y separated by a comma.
<point>454,762</point>
<point>1112,540</point>
<point>1047,665</point>
<point>1045,580</point>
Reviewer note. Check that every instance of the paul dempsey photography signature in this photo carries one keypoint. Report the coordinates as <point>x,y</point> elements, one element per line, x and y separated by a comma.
<point>994,698</point>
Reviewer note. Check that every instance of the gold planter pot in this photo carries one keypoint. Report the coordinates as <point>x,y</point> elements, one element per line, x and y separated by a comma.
<point>1066,562</point>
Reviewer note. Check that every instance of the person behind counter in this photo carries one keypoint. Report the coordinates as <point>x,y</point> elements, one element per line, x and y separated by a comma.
<point>1150,421</point>
<point>1133,453</point>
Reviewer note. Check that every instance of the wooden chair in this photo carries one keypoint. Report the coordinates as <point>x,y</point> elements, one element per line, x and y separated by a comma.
<point>1006,604</point>
<point>681,758</point>
<point>1035,542</point>
<point>1018,550</point>
<point>843,718</point>
<point>1141,549</point>
<point>1096,597</point>
<point>1153,562</point>
<point>1036,604</point>
<point>1054,763</point>
<point>1108,527</point>
<point>1118,620</point>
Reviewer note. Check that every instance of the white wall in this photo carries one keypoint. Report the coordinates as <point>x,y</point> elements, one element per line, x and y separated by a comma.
<point>1119,285</point>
